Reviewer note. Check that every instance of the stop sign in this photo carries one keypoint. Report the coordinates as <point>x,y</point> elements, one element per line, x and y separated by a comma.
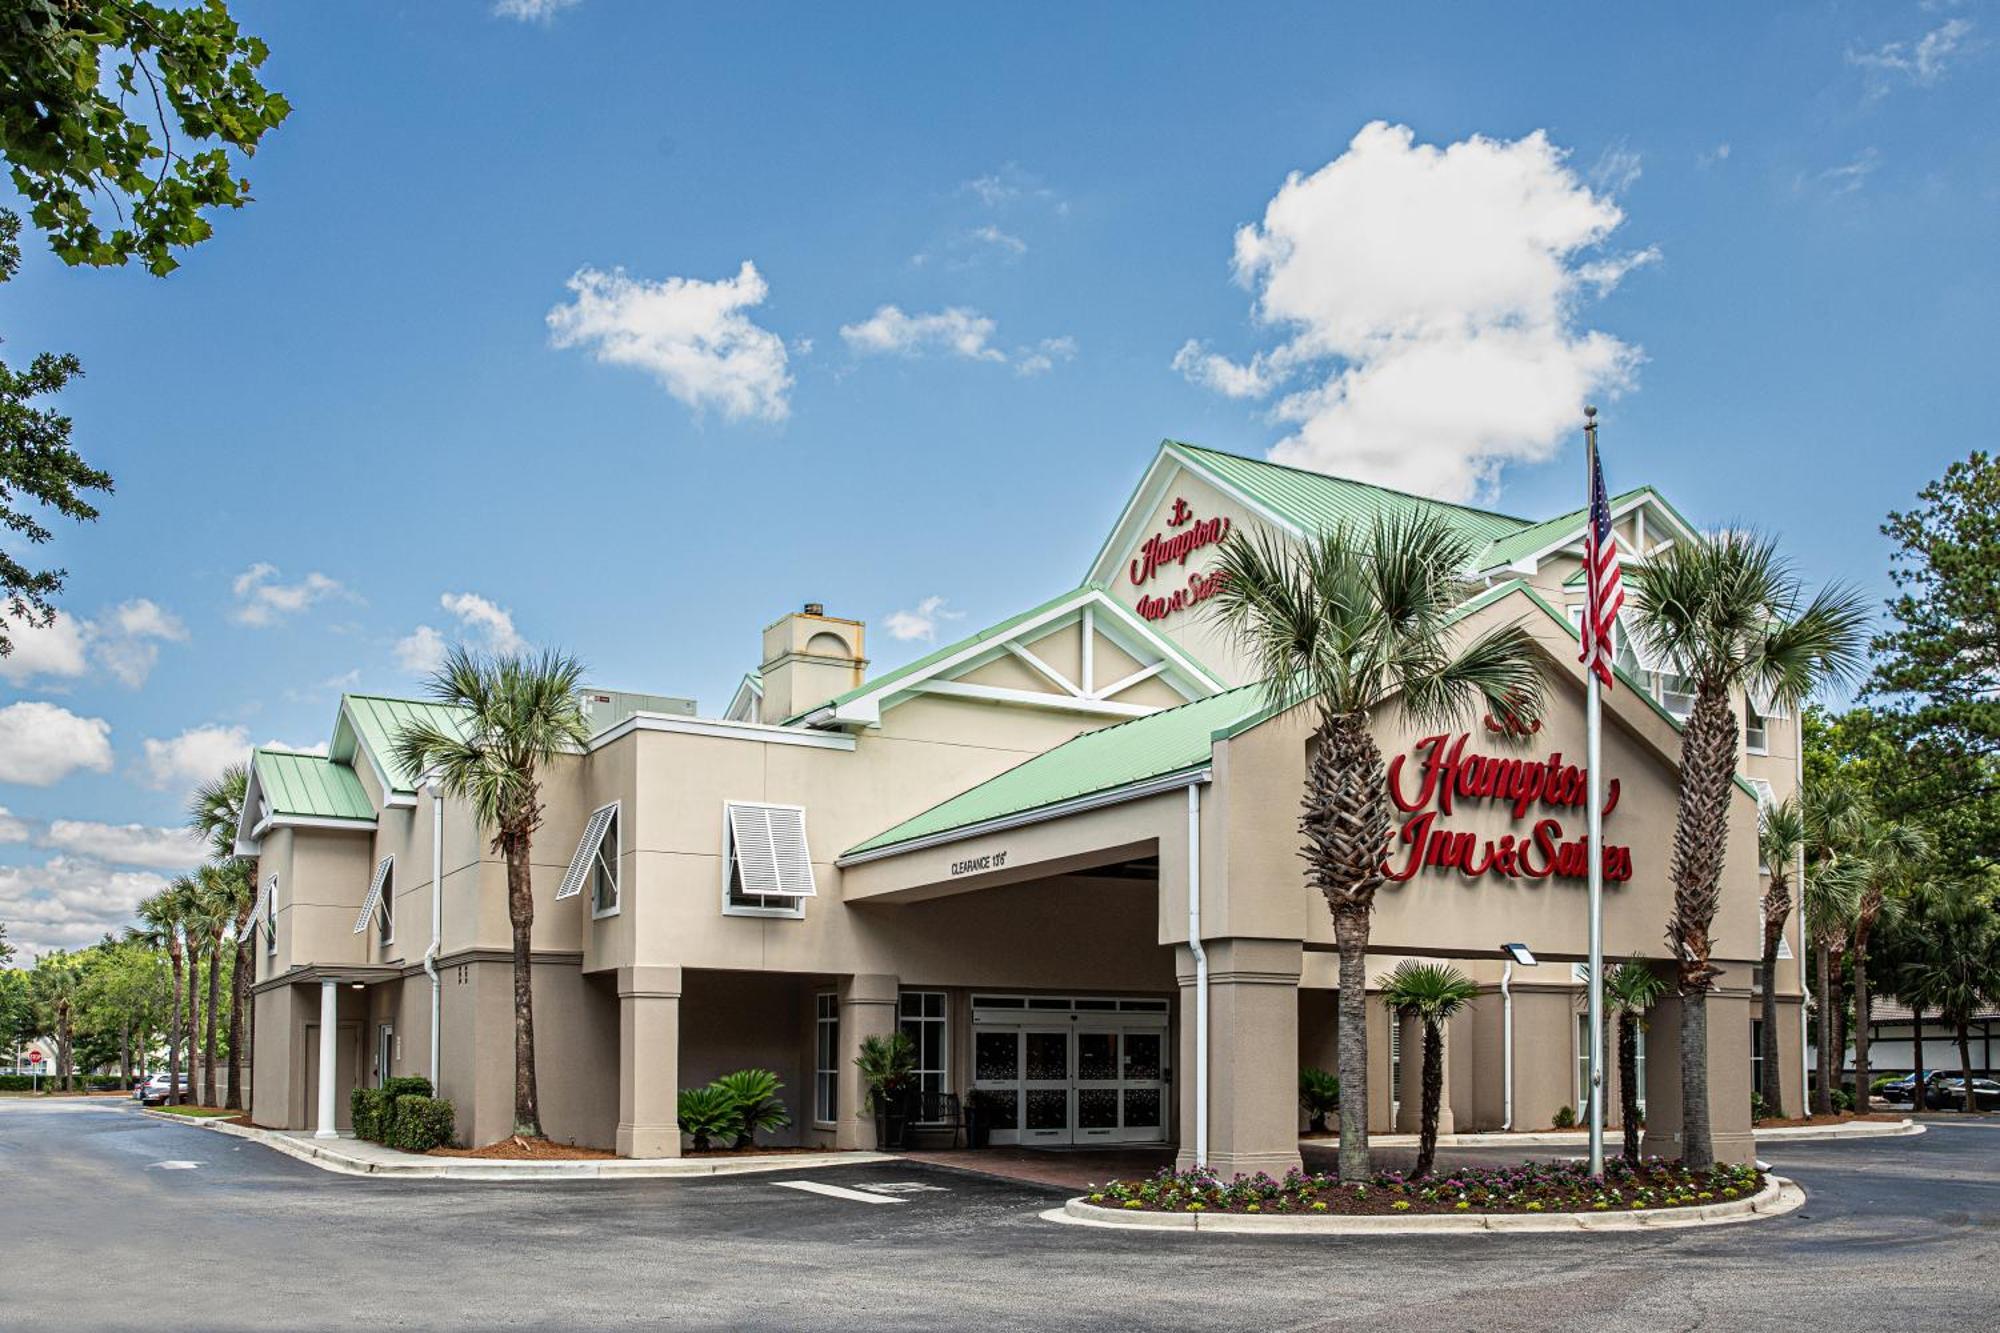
<point>34,1057</point>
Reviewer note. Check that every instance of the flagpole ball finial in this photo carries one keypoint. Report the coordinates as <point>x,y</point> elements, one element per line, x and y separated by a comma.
<point>1589,411</point>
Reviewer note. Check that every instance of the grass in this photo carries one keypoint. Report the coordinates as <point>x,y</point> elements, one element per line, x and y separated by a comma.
<point>195,1112</point>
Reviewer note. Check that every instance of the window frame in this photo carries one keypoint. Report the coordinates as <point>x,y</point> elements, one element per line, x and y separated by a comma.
<point>826,1058</point>
<point>919,1020</point>
<point>1762,730</point>
<point>270,922</point>
<point>794,908</point>
<point>616,832</point>
<point>385,926</point>
<point>1661,692</point>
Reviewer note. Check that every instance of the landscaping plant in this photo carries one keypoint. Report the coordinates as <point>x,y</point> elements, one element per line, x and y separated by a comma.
<point>420,1123</point>
<point>888,1065</point>
<point>1319,1093</point>
<point>1432,993</point>
<point>755,1093</point>
<point>1348,621</point>
<point>1631,988</point>
<point>707,1114</point>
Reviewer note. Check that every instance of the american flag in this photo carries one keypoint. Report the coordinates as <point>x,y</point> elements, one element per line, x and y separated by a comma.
<point>1603,591</point>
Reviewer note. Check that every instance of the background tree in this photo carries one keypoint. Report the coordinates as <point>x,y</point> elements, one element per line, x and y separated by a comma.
<point>214,813</point>
<point>161,915</point>
<point>52,988</point>
<point>1730,615</point>
<point>1947,958</point>
<point>223,886</point>
<point>1894,854</point>
<point>80,78</point>
<point>1432,993</point>
<point>519,713</point>
<point>1780,839</point>
<point>1631,989</point>
<point>1832,887</point>
<point>124,996</point>
<point>1349,620</point>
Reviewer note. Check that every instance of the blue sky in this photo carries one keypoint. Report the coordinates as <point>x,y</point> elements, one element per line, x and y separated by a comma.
<point>982,243</point>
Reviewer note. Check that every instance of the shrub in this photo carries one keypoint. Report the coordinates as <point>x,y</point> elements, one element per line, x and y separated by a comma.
<point>1882,1081</point>
<point>1758,1111</point>
<point>1843,1100</point>
<point>370,1110</point>
<point>754,1093</point>
<point>1319,1094</point>
<point>1566,1117</point>
<point>394,1090</point>
<point>707,1114</point>
<point>421,1123</point>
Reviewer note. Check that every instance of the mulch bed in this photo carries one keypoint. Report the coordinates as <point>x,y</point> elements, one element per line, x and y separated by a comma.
<point>519,1149</point>
<point>1531,1187</point>
<point>1841,1118</point>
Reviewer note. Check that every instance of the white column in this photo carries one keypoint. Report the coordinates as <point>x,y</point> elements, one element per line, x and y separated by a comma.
<point>329,1029</point>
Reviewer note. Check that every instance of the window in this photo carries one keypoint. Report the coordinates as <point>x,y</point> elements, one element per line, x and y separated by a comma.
<point>595,861</point>
<point>1639,1064</point>
<point>379,906</point>
<point>1756,1055</point>
<point>767,865</point>
<point>921,1015</point>
<point>1756,736</point>
<point>1395,1067</point>
<point>270,915</point>
<point>826,1057</point>
<point>1676,694</point>
<point>1583,1068</point>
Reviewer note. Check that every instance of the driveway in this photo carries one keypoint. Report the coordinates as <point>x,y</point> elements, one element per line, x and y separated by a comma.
<point>112,1219</point>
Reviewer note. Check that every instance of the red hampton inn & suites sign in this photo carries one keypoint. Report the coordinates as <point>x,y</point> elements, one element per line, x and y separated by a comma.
<point>1186,534</point>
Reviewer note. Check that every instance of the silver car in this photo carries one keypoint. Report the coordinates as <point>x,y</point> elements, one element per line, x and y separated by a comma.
<point>153,1092</point>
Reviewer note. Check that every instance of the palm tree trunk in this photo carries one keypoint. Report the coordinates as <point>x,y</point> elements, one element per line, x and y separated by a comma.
<point>521,915</point>
<point>1862,1008</point>
<point>1822,1097</point>
<point>1628,1082</point>
<point>1697,1138</point>
<point>63,1057</point>
<point>238,990</point>
<point>1351,1051</point>
<point>1773,1085</point>
<point>209,1094</point>
<point>1433,1097</point>
<point>1840,994</point>
<point>174,1034</point>
<point>193,1034</point>
<point>1965,1064</point>
<point>1916,1058</point>
<point>125,1052</point>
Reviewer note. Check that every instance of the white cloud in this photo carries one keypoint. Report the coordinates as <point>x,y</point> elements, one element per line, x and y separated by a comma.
<point>532,11</point>
<point>125,844</point>
<point>1042,357</point>
<point>68,902</point>
<point>12,827</point>
<point>194,756</point>
<point>53,650</point>
<point>1850,176</point>
<point>262,601</point>
<point>921,621</point>
<point>41,743</point>
<point>998,239</point>
<point>480,622</point>
<point>1922,62</point>
<point>1010,185</point>
<point>956,330</point>
<point>420,652</point>
<point>1715,155</point>
<point>690,335</point>
<point>1429,298</point>
<point>1617,169</point>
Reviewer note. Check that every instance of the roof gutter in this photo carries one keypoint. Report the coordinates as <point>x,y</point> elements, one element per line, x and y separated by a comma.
<point>1131,791</point>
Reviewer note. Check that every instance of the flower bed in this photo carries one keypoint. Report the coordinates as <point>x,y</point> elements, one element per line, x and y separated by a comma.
<point>1530,1187</point>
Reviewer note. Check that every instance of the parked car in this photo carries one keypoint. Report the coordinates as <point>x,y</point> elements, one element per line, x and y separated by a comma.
<point>1948,1094</point>
<point>153,1092</point>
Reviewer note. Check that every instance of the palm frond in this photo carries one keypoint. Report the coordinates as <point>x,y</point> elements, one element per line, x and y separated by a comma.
<point>1433,992</point>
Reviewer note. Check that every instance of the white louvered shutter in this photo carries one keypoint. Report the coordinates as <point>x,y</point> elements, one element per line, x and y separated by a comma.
<point>374,898</point>
<point>586,848</point>
<point>769,844</point>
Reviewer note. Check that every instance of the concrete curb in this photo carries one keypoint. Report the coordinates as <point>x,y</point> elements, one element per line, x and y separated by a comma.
<point>327,1156</point>
<point>1854,1129</point>
<point>1778,1197</point>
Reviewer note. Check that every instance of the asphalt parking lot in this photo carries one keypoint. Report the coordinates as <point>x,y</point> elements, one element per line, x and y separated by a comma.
<point>112,1219</point>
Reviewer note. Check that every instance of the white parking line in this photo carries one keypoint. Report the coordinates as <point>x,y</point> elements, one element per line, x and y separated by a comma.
<point>177,1166</point>
<point>835,1191</point>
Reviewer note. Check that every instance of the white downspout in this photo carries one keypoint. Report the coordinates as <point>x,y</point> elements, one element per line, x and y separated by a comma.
<point>1200,977</point>
<point>1805,1059</point>
<point>1507,1045</point>
<point>437,923</point>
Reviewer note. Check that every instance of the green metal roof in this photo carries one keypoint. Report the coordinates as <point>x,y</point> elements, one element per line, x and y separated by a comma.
<point>310,784</point>
<point>1531,539</point>
<point>378,720</point>
<point>1172,740</point>
<point>1315,501</point>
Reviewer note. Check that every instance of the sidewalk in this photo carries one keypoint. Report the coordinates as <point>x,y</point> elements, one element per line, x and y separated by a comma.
<point>358,1157</point>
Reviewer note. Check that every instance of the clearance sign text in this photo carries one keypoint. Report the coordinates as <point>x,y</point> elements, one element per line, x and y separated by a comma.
<point>1448,776</point>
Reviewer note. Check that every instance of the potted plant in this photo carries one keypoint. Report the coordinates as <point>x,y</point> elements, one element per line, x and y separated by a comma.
<point>1319,1095</point>
<point>888,1066</point>
<point>978,1120</point>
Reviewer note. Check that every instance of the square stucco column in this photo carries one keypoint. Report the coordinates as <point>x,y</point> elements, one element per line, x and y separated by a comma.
<point>867,1009</point>
<point>649,1061</point>
<point>1728,1077</point>
<point>1253,1055</point>
<point>1410,1096</point>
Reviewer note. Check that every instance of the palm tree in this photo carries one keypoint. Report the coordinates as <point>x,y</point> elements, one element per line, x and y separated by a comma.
<point>1952,963</point>
<point>214,813</point>
<point>1892,850</point>
<point>53,992</point>
<point>1779,840</point>
<point>222,889</point>
<point>1432,993</point>
<point>1631,988</point>
<point>1348,620</point>
<point>161,914</point>
<point>519,713</point>
<point>1832,891</point>
<point>1730,615</point>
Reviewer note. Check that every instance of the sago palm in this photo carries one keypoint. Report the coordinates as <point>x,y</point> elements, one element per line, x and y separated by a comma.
<point>1779,841</point>
<point>214,813</point>
<point>1630,989</point>
<point>1894,852</point>
<point>1731,616</point>
<point>517,713</point>
<point>1349,621</point>
<point>1432,993</point>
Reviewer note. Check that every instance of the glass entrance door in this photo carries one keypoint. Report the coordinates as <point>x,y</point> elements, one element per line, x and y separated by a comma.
<point>1045,1086</point>
<point>1096,1074</point>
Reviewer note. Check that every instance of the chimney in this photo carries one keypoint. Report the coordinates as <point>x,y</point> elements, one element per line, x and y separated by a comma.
<point>809,657</point>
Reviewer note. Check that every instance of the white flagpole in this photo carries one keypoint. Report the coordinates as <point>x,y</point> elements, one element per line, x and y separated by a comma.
<point>1594,770</point>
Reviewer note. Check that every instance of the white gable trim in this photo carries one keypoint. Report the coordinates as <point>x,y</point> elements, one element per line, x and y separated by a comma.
<point>1644,503</point>
<point>1152,489</point>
